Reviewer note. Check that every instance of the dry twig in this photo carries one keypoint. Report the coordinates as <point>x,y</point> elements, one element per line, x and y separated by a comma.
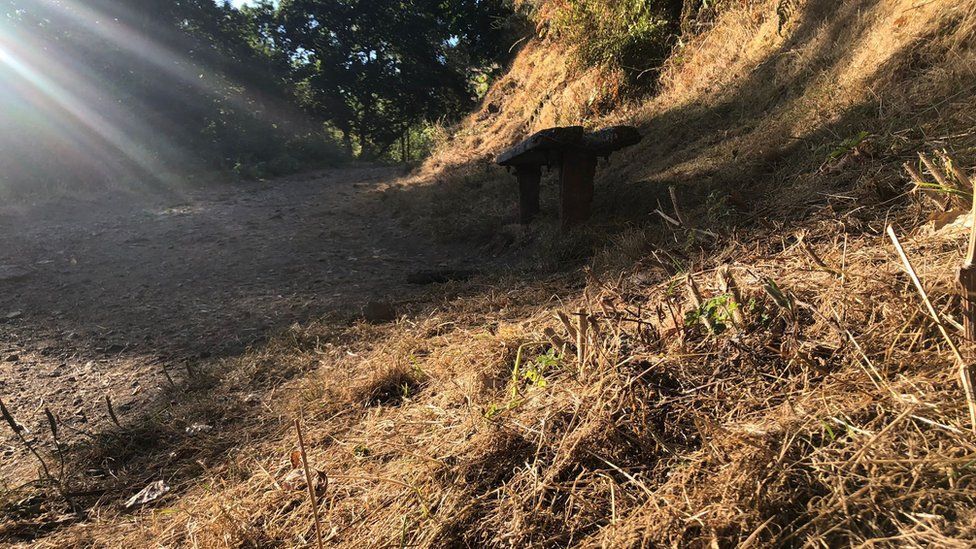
<point>311,487</point>
<point>965,370</point>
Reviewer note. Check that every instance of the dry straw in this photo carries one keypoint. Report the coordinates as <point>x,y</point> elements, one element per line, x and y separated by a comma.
<point>829,415</point>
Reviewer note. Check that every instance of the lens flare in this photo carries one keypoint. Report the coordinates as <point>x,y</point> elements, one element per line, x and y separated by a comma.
<point>81,85</point>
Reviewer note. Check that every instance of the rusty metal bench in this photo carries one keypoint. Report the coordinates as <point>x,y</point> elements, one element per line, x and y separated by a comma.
<point>575,152</point>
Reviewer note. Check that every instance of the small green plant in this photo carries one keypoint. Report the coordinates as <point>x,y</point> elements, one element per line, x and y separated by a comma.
<point>754,310</point>
<point>828,430</point>
<point>717,207</point>
<point>361,451</point>
<point>943,189</point>
<point>674,285</point>
<point>717,311</point>
<point>535,371</point>
<point>493,410</point>
<point>847,146</point>
<point>416,369</point>
<point>532,373</point>
<point>781,298</point>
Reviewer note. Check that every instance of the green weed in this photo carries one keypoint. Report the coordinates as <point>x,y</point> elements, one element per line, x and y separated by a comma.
<point>717,311</point>
<point>531,374</point>
<point>847,146</point>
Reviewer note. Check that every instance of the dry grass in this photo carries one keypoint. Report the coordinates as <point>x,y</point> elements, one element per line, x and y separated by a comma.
<point>830,415</point>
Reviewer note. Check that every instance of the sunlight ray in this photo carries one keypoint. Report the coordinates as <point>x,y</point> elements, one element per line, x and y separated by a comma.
<point>16,56</point>
<point>109,24</point>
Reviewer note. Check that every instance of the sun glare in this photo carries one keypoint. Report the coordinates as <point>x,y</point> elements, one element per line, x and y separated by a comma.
<point>58,89</point>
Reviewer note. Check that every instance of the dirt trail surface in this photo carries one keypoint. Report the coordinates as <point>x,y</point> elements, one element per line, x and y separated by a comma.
<point>97,299</point>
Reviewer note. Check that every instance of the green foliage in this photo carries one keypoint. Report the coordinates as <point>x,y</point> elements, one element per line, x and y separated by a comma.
<point>782,299</point>
<point>378,69</point>
<point>361,451</point>
<point>534,373</point>
<point>530,374</point>
<point>134,88</point>
<point>480,79</point>
<point>847,146</point>
<point>717,311</point>
<point>493,410</point>
<point>417,142</point>
<point>635,36</point>
<point>828,430</point>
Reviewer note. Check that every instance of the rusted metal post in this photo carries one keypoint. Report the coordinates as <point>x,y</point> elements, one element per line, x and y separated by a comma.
<point>529,176</point>
<point>576,186</point>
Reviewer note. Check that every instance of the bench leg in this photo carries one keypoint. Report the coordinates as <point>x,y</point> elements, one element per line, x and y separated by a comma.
<point>576,187</point>
<point>529,177</point>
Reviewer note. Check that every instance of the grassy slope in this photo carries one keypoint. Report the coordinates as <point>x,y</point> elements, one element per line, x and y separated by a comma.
<point>832,415</point>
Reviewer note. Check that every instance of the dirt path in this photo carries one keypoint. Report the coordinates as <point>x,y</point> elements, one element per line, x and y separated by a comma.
<point>97,300</point>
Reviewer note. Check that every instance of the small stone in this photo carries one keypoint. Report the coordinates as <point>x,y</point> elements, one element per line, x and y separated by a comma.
<point>198,428</point>
<point>12,358</point>
<point>13,315</point>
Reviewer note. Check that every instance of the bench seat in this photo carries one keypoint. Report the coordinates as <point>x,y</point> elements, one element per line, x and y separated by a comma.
<point>575,152</point>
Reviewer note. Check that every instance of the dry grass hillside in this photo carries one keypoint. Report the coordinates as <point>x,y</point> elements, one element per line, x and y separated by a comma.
<point>764,374</point>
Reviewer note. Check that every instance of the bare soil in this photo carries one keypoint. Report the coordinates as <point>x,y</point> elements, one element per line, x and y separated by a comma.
<point>99,297</point>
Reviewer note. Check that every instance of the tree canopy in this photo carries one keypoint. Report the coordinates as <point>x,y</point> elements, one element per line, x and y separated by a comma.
<point>143,83</point>
<point>375,68</point>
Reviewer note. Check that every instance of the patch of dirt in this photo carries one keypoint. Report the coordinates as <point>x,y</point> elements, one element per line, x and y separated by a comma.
<point>98,298</point>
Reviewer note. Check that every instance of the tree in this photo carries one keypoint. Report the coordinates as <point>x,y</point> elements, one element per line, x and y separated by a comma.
<point>375,68</point>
